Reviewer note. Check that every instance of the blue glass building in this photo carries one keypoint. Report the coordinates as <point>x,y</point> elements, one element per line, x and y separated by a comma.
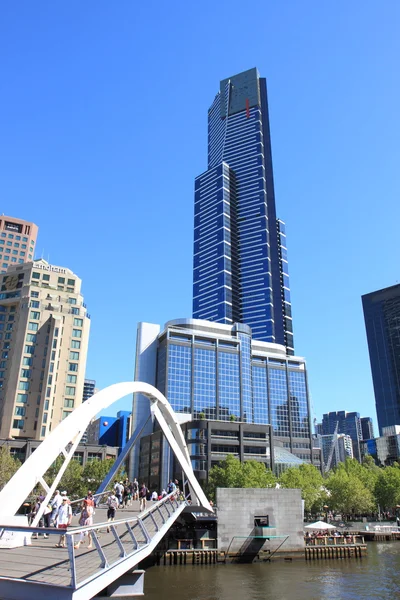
<point>240,256</point>
<point>349,423</point>
<point>382,323</point>
<point>220,372</point>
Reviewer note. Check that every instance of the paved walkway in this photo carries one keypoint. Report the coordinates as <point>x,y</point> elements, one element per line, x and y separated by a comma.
<point>43,562</point>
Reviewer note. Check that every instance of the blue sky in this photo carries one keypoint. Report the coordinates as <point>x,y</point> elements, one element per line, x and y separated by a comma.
<point>103,125</point>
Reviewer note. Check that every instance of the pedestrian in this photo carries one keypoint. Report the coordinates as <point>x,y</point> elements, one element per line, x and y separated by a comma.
<point>85,521</point>
<point>63,519</point>
<point>135,489</point>
<point>55,505</point>
<point>119,490</point>
<point>154,496</point>
<point>112,504</point>
<point>42,522</point>
<point>143,497</point>
<point>171,487</point>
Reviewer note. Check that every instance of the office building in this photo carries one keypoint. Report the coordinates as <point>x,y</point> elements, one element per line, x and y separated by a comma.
<point>17,242</point>
<point>84,453</point>
<point>348,423</point>
<point>385,450</point>
<point>219,372</point>
<point>110,431</point>
<point>382,320</point>
<point>44,333</point>
<point>240,268</point>
<point>335,448</point>
<point>367,428</point>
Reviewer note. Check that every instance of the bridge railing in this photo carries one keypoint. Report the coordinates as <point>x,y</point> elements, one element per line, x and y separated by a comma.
<point>128,536</point>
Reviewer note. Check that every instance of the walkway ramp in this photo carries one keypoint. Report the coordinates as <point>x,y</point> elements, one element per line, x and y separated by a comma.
<point>42,571</point>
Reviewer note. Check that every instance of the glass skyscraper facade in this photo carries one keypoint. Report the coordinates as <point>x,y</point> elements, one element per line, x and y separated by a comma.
<point>348,423</point>
<point>382,323</point>
<point>240,255</point>
<point>220,372</point>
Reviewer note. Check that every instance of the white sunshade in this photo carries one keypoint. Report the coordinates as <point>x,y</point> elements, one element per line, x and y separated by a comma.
<point>319,525</point>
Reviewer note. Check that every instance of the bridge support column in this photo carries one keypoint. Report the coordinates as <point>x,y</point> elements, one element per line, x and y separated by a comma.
<point>129,585</point>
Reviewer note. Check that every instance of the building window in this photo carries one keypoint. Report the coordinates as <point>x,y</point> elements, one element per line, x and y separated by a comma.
<point>33,326</point>
<point>73,367</point>
<point>74,355</point>
<point>22,398</point>
<point>25,373</point>
<point>77,332</point>
<point>71,378</point>
<point>78,322</point>
<point>75,344</point>
<point>31,337</point>
<point>65,414</point>
<point>71,282</point>
<point>45,418</point>
<point>70,391</point>
<point>35,275</point>
<point>74,311</point>
<point>68,403</point>
<point>46,277</point>
<point>23,385</point>
<point>61,280</point>
<point>35,304</point>
<point>18,424</point>
<point>72,300</point>
<point>19,411</point>
<point>34,294</point>
<point>43,432</point>
<point>29,349</point>
<point>35,314</point>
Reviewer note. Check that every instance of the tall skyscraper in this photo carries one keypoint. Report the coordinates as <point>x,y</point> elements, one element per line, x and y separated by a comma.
<point>367,428</point>
<point>240,255</point>
<point>348,423</point>
<point>17,242</point>
<point>44,332</point>
<point>382,323</point>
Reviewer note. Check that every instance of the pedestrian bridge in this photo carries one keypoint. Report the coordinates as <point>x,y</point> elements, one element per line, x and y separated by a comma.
<point>42,571</point>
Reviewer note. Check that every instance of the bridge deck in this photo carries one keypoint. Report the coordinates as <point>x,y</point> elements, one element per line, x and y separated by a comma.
<point>43,562</point>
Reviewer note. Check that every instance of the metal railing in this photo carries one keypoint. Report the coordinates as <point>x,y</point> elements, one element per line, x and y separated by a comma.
<point>129,535</point>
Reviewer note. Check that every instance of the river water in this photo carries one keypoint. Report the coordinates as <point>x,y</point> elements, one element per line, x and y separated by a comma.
<point>375,576</point>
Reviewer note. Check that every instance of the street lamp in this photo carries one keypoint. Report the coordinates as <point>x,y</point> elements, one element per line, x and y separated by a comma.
<point>326,512</point>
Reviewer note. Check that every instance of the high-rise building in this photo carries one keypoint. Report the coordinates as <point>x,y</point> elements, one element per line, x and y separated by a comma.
<point>17,242</point>
<point>220,372</point>
<point>348,423</point>
<point>89,389</point>
<point>335,448</point>
<point>367,428</point>
<point>44,333</point>
<point>240,255</point>
<point>382,323</point>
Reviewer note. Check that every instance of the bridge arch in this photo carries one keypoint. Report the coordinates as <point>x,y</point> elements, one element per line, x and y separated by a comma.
<point>67,435</point>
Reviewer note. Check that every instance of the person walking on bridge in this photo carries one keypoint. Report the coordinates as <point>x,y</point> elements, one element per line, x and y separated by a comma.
<point>143,497</point>
<point>112,504</point>
<point>63,519</point>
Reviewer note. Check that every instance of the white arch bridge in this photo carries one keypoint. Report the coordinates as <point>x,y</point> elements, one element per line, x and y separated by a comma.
<point>39,570</point>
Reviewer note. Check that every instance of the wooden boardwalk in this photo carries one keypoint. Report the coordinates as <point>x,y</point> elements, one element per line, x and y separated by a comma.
<point>43,562</point>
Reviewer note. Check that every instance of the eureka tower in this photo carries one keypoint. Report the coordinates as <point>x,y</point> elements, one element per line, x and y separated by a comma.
<point>240,257</point>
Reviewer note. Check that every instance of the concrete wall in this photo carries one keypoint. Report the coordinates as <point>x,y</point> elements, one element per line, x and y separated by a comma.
<point>238,507</point>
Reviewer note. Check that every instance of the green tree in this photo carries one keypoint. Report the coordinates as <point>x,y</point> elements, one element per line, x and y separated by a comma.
<point>309,480</point>
<point>348,493</point>
<point>71,481</point>
<point>8,466</point>
<point>387,488</point>
<point>231,473</point>
<point>95,471</point>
